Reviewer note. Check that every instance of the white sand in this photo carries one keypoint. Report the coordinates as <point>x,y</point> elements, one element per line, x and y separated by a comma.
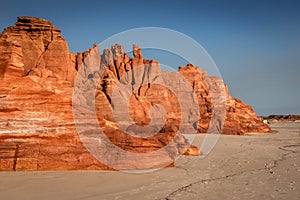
<point>255,166</point>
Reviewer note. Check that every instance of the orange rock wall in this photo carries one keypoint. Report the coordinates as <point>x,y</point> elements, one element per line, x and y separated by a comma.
<point>37,74</point>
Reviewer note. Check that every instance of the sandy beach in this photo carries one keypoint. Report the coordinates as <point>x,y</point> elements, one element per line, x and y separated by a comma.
<point>254,166</point>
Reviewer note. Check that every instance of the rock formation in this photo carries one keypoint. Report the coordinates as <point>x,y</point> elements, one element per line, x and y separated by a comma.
<point>271,119</point>
<point>37,128</point>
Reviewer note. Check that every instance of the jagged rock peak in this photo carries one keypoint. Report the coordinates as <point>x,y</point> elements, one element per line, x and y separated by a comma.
<point>118,51</point>
<point>137,51</point>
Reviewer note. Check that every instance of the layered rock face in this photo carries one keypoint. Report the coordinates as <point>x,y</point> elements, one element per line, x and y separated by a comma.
<point>38,75</point>
<point>37,129</point>
<point>36,48</point>
<point>239,117</point>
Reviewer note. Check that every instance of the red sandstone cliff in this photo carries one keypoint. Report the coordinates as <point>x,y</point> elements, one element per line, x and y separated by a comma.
<point>37,74</point>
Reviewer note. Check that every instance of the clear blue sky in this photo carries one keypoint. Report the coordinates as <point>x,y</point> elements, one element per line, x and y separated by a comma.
<point>255,44</point>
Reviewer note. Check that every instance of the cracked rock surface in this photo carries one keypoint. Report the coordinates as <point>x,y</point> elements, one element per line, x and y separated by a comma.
<point>255,166</point>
